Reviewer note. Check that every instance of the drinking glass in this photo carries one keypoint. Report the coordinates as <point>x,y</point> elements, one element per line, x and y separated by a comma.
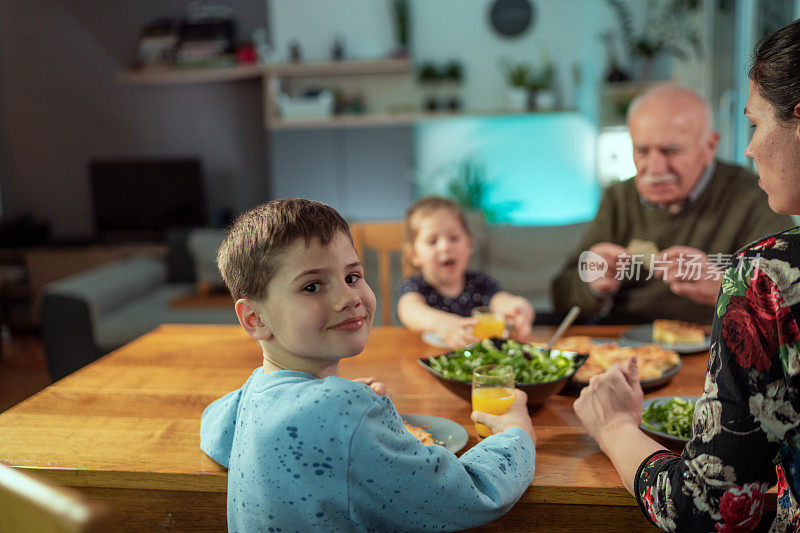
<point>492,392</point>
<point>489,324</point>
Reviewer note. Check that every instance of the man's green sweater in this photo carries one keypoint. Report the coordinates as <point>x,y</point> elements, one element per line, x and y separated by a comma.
<point>728,214</point>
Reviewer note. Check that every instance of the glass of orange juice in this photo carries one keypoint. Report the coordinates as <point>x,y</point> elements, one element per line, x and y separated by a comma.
<point>489,324</point>
<point>492,392</point>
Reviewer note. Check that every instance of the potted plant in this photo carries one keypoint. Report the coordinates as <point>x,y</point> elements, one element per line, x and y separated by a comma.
<point>453,74</point>
<point>428,73</point>
<point>518,77</point>
<point>542,86</point>
<point>668,31</point>
<point>429,76</point>
<point>402,22</point>
<point>453,71</point>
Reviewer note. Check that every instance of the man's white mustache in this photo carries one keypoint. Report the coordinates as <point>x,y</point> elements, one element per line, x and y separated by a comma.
<point>658,179</point>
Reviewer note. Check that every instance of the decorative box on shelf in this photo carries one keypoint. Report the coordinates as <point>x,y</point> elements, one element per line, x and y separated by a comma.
<point>311,107</point>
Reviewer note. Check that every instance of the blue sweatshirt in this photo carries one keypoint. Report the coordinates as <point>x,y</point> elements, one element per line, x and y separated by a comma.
<point>308,454</point>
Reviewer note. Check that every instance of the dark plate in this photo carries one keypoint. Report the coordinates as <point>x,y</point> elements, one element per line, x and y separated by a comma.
<point>646,383</point>
<point>660,434</point>
<point>644,333</point>
<point>537,392</point>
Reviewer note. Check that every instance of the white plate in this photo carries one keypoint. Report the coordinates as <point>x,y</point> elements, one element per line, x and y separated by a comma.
<point>644,333</point>
<point>434,339</point>
<point>453,435</point>
<point>664,436</point>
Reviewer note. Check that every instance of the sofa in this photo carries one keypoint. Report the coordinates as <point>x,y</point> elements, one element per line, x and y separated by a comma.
<point>91,313</point>
<point>88,314</point>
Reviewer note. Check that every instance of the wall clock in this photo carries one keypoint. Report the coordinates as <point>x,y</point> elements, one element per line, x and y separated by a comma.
<point>510,18</point>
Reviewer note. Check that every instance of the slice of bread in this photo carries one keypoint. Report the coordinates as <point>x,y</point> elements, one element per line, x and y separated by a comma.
<point>646,250</point>
<point>677,332</point>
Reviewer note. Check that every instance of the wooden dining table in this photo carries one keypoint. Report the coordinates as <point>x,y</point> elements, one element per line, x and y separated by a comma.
<point>125,430</point>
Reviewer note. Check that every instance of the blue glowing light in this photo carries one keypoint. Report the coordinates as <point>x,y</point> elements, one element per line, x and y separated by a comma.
<point>543,166</point>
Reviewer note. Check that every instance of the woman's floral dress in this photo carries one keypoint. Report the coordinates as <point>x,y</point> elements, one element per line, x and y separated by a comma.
<point>746,424</point>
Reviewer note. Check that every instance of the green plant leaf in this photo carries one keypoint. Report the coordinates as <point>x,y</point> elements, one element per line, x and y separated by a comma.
<point>470,186</point>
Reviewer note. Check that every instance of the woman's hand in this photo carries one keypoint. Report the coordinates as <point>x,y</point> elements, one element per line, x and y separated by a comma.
<point>517,416</point>
<point>610,401</point>
<point>377,386</point>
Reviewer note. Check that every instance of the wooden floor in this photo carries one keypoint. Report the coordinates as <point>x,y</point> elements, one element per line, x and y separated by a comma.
<point>23,370</point>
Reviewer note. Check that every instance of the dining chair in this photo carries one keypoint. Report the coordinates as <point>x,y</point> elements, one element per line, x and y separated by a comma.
<point>384,238</point>
<point>28,503</point>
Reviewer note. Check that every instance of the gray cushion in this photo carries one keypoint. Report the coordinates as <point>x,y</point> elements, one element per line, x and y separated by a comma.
<point>524,259</point>
<point>152,309</point>
<point>111,286</point>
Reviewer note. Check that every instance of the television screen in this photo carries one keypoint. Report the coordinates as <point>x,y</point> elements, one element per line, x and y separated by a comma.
<point>140,199</point>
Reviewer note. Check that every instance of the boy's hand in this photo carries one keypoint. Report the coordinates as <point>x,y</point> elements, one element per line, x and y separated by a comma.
<point>516,417</point>
<point>456,331</point>
<point>377,386</point>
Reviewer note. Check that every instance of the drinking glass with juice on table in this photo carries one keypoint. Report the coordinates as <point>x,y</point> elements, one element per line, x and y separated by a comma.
<point>492,392</point>
<point>489,324</point>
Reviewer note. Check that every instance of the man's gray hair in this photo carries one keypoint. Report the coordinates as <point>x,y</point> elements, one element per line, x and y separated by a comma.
<point>667,89</point>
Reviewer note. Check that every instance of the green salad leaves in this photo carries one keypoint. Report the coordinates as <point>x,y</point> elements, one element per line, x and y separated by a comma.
<point>673,416</point>
<point>537,367</point>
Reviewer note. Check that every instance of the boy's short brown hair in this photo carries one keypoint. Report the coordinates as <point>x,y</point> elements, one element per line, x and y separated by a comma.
<point>248,257</point>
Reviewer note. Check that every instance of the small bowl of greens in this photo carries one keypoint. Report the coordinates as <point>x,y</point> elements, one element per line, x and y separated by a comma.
<point>669,418</point>
<point>538,372</point>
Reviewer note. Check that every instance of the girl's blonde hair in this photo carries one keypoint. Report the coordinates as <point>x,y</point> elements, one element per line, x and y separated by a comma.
<point>420,209</point>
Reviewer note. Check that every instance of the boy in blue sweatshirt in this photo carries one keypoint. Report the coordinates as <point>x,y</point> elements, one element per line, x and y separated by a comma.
<point>307,450</point>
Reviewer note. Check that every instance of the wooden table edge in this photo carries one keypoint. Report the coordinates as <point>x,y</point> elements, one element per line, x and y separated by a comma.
<point>616,497</point>
<point>209,482</point>
<point>218,482</point>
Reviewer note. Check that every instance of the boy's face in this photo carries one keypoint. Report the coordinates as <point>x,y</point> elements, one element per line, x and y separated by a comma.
<point>318,305</point>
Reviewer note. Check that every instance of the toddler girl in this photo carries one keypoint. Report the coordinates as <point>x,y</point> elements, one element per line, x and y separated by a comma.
<point>441,295</point>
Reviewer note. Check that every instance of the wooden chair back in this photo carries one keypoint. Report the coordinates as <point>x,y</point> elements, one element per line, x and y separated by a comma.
<point>27,503</point>
<point>384,238</point>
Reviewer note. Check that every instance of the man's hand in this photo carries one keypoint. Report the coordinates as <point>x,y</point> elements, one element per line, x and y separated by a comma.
<point>690,274</point>
<point>613,254</point>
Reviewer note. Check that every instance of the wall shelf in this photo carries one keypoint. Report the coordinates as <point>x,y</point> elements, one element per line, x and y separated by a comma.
<point>373,120</point>
<point>272,74</point>
<point>339,68</point>
<point>158,76</point>
<point>166,76</point>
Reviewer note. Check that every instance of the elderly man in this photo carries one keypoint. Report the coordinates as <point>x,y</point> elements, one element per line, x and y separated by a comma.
<point>646,254</point>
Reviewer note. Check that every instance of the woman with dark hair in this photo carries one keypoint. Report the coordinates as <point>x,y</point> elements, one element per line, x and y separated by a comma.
<point>746,427</point>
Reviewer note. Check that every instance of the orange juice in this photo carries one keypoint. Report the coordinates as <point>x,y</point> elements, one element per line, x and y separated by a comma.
<point>492,400</point>
<point>488,326</point>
